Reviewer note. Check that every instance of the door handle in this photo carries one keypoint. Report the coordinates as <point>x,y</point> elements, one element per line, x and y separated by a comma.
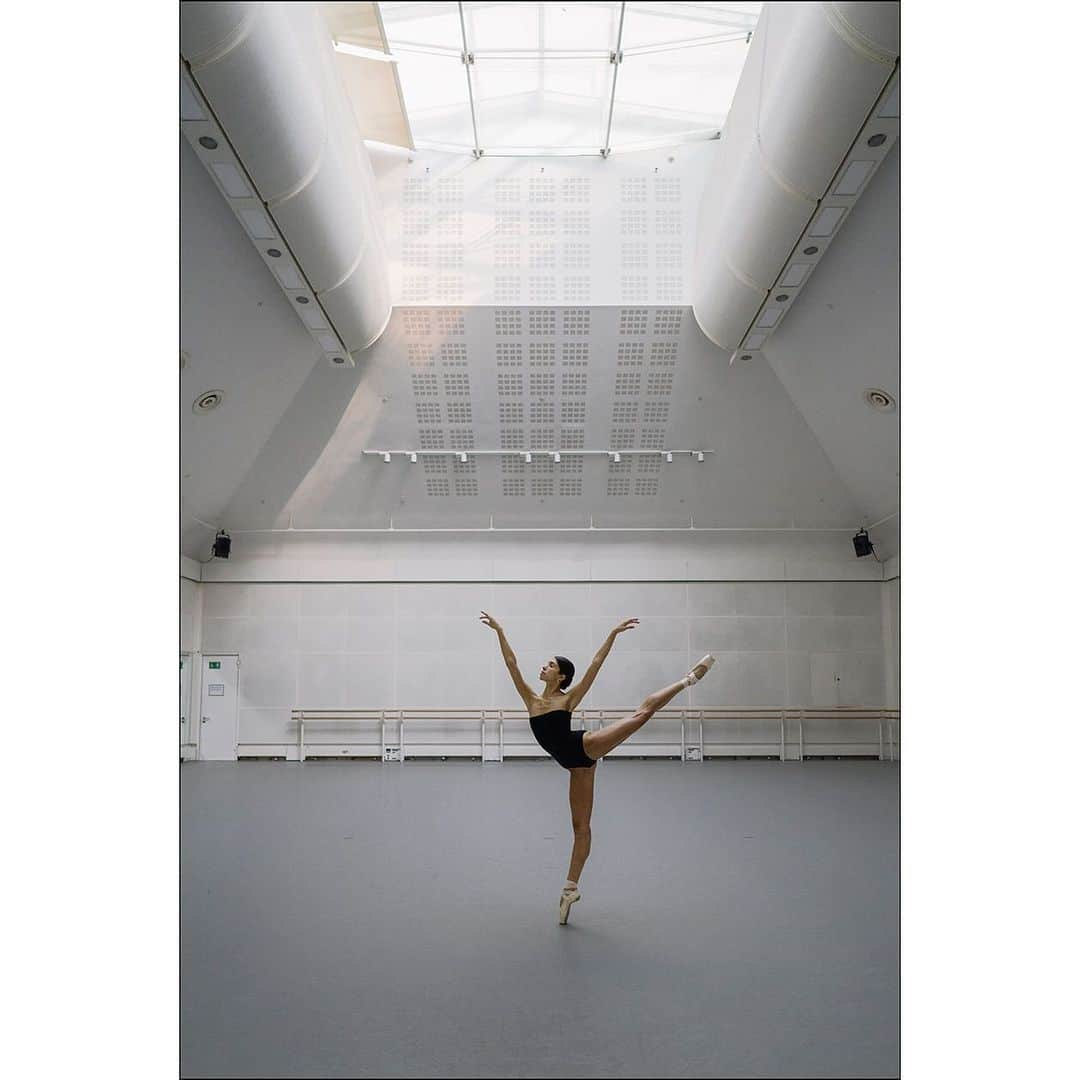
<point>205,718</point>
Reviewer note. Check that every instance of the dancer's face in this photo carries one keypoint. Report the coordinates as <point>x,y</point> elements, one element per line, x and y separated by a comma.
<point>550,672</point>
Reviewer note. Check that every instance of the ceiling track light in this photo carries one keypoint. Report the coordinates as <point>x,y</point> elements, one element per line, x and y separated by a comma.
<point>556,455</point>
<point>221,161</point>
<point>869,148</point>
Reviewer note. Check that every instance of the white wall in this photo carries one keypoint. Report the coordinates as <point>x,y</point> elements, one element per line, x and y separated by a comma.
<point>190,615</point>
<point>891,630</point>
<point>190,641</point>
<point>418,644</point>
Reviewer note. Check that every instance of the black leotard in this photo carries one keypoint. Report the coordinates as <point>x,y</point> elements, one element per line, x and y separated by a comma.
<point>553,733</point>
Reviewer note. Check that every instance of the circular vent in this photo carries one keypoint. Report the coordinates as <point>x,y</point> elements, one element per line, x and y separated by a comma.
<point>205,403</point>
<point>879,400</point>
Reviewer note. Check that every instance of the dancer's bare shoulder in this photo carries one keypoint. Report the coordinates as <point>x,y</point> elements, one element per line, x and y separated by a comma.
<point>539,706</point>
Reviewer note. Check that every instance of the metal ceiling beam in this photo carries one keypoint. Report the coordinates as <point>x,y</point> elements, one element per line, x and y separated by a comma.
<point>616,60</point>
<point>467,60</point>
<point>738,20</point>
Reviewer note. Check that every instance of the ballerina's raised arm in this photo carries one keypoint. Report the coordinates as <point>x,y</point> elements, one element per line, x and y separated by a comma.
<point>523,688</point>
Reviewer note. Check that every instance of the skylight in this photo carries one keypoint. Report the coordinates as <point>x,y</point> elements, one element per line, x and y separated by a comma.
<point>567,78</point>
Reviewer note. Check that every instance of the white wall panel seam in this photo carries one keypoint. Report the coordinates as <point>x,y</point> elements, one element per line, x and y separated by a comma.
<point>857,40</point>
<point>787,653</point>
<point>274,201</point>
<point>394,696</point>
<point>232,41</point>
<point>745,279</point>
<point>378,333</point>
<point>365,249</point>
<point>782,182</point>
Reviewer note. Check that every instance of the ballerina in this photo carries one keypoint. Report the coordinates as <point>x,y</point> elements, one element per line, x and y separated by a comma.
<point>578,751</point>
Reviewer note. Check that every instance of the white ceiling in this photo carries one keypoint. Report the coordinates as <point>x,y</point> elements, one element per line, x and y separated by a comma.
<point>563,386</point>
<point>843,337</point>
<point>795,445</point>
<point>241,336</point>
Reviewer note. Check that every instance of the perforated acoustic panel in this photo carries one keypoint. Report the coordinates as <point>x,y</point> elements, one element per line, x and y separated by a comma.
<point>537,379</point>
<point>542,362</point>
<point>547,231</point>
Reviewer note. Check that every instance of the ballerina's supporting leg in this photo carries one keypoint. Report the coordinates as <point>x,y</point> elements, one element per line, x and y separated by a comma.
<point>581,804</point>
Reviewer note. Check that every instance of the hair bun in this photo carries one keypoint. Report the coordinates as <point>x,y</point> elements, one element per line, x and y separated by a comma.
<point>567,669</point>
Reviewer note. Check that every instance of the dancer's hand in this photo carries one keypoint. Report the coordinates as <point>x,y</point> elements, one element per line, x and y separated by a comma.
<point>489,620</point>
<point>628,625</point>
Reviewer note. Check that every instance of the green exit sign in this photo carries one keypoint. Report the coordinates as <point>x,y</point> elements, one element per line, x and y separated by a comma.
<point>215,664</point>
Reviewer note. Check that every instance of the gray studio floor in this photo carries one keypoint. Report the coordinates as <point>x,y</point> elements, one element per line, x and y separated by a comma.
<point>739,918</point>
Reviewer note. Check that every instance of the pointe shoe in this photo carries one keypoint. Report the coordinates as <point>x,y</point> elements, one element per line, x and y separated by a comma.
<point>568,897</point>
<point>706,662</point>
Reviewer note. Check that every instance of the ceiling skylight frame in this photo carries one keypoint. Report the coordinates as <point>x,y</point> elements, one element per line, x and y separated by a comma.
<point>690,43</point>
<point>542,54</point>
<point>615,60</point>
<point>467,60</point>
<point>732,28</point>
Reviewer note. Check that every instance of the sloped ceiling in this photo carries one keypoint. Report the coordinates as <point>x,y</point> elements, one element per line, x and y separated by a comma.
<point>790,450</point>
<point>843,338</point>
<point>581,378</point>
<point>240,336</point>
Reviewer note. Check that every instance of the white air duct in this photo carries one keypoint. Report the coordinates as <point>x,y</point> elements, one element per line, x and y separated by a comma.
<point>268,72</point>
<point>812,75</point>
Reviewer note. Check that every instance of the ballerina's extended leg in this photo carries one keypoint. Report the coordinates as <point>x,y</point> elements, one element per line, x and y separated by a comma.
<point>599,743</point>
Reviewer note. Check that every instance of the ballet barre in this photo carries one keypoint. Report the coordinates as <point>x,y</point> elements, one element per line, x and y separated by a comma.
<point>393,725</point>
<point>887,720</point>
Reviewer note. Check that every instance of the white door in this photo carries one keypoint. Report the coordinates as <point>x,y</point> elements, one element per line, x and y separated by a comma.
<point>217,727</point>
<point>185,699</point>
